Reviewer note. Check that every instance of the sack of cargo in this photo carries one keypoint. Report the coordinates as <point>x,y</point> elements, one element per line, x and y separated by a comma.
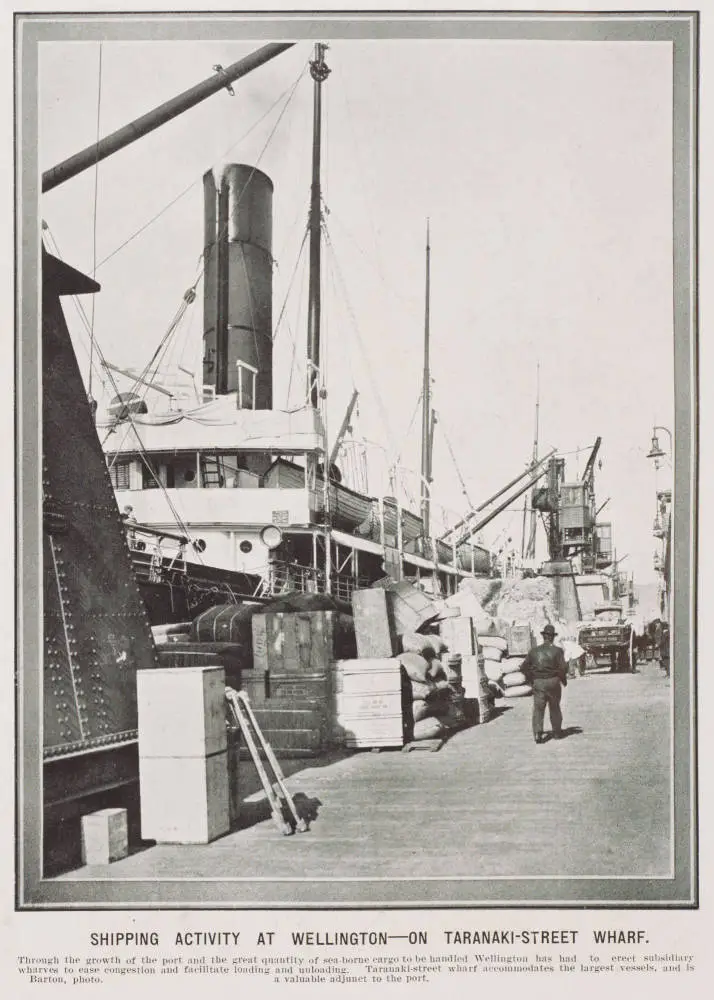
<point>440,689</point>
<point>514,679</point>
<point>420,689</point>
<point>492,642</point>
<point>520,691</point>
<point>493,670</point>
<point>436,671</point>
<point>412,642</point>
<point>416,666</point>
<point>511,663</point>
<point>428,729</point>
<point>420,710</point>
<point>452,716</point>
<point>436,643</point>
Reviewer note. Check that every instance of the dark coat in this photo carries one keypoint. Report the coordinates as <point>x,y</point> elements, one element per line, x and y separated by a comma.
<point>545,662</point>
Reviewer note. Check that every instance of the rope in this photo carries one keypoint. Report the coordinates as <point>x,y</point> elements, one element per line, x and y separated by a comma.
<point>370,374</point>
<point>453,459</point>
<point>292,360</point>
<point>94,220</point>
<point>199,179</point>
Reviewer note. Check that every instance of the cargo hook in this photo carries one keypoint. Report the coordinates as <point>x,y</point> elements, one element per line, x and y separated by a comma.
<point>221,72</point>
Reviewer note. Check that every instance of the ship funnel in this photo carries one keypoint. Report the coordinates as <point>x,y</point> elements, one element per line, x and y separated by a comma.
<point>238,285</point>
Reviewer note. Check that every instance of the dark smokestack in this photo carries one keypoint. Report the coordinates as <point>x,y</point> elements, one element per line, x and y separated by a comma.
<point>238,287</point>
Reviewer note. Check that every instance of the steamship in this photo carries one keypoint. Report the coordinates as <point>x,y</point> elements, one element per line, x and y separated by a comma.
<point>227,497</point>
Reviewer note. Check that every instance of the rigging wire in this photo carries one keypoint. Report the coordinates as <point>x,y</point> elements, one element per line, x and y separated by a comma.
<point>94,219</point>
<point>370,373</point>
<point>289,90</point>
<point>190,294</point>
<point>101,372</point>
<point>456,465</point>
<point>294,354</point>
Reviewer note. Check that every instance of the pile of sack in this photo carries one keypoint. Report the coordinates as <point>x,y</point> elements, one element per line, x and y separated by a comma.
<point>503,672</point>
<point>433,679</point>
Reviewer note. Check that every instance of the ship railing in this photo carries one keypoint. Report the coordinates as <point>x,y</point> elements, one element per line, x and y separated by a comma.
<point>283,577</point>
<point>142,538</point>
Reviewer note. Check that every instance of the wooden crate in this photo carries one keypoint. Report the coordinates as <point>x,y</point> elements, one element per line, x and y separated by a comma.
<point>181,711</point>
<point>520,639</point>
<point>105,836</point>
<point>294,642</point>
<point>368,703</point>
<point>473,677</point>
<point>374,629</point>
<point>458,634</point>
<point>383,703</point>
<point>184,800</point>
<point>410,607</point>
<point>363,733</point>
<point>366,676</point>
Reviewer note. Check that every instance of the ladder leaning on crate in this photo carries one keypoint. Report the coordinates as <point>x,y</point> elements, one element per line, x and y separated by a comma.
<point>279,798</point>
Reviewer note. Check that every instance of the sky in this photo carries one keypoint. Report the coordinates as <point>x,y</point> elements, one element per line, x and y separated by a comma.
<point>544,169</point>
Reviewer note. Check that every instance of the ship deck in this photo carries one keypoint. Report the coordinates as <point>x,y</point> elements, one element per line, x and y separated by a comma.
<point>489,805</point>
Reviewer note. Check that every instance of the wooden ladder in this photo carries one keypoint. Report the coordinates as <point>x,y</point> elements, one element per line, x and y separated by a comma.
<point>282,808</point>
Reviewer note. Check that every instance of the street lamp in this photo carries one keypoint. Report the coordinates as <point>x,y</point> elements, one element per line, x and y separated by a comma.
<point>656,452</point>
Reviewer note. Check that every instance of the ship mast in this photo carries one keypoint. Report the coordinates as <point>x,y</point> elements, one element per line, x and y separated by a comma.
<point>319,72</point>
<point>528,551</point>
<point>426,419</point>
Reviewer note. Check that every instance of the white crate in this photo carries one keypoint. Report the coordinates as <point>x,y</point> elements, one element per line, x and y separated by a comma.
<point>184,800</point>
<point>458,634</point>
<point>372,732</point>
<point>182,711</point>
<point>105,836</point>
<point>380,704</point>
<point>367,676</point>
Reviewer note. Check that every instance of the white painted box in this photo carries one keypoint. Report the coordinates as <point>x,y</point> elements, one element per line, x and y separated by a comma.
<point>372,732</point>
<point>458,634</point>
<point>105,836</point>
<point>182,711</point>
<point>367,676</point>
<point>184,800</point>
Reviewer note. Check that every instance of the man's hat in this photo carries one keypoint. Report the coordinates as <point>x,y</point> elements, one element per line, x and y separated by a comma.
<point>548,630</point>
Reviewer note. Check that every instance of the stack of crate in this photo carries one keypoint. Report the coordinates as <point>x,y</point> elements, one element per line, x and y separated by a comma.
<point>290,686</point>
<point>368,703</point>
<point>367,710</point>
<point>183,760</point>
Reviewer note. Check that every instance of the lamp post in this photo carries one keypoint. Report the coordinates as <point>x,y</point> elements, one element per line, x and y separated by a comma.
<point>655,451</point>
<point>662,524</point>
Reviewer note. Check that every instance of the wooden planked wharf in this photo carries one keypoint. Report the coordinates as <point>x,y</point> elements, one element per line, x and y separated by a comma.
<point>489,804</point>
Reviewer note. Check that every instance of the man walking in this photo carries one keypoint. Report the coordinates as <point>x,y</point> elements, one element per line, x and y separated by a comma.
<point>546,671</point>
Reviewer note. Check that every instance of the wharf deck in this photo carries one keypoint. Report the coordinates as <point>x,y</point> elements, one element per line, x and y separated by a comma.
<point>489,805</point>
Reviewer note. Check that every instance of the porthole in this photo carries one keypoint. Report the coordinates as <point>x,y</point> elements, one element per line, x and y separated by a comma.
<point>246,546</point>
